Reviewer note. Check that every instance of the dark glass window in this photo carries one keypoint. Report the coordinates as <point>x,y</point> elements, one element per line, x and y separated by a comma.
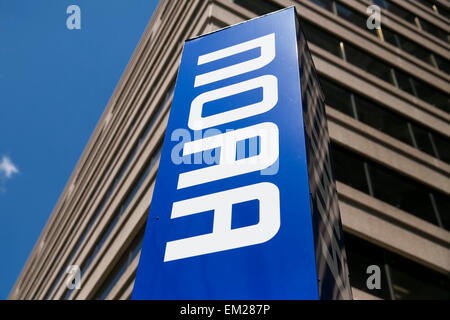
<point>259,7</point>
<point>444,12</point>
<point>443,147</point>
<point>382,119</point>
<point>397,10</point>
<point>401,192</point>
<point>368,63</point>
<point>326,4</point>
<point>349,168</point>
<point>360,255</point>
<point>404,82</point>
<point>321,38</point>
<point>385,120</point>
<point>442,63</point>
<point>390,36</point>
<point>337,97</point>
<point>414,49</point>
<point>443,207</point>
<point>411,18</point>
<point>389,186</point>
<point>412,281</point>
<point>432,29</point>
<point>401,278</point>
<point>351,16</point>
<point>432,96</point>
<point>423,139</point>
<point>377,68</point>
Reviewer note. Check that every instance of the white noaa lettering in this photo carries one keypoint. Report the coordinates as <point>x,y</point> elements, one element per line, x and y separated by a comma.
<point>265,43</point>
<point>270,98</point>
<point>228,165</point>
<point>223,237</point>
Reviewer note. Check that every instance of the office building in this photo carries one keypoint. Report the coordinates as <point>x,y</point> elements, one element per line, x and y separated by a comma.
<point>388,107</point>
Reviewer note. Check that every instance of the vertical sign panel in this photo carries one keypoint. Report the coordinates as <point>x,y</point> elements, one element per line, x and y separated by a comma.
<point>231,211</point>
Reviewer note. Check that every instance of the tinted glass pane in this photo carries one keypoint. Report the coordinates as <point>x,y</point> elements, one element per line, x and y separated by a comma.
<point>390,37</point>
<point>349,168</point>
<point>360,255</point>
<point>326,4</point>
<point>380,3</point>
<point>423,140</point>
<point>443,206</point>
<point>399,11</point>
<point>351,16</point>
<point>258,7</point>
<point>443,147</point>
<point>414,281</point>
<point>321,38</point>
<point>404,82</point>
<point>435,31</point>
<point>443,64</point>
<point>432,95</point>
<point>414,49</point>
<point>336,97</point>
<point>383,120</point>
<point>368,63</point>
<point>401,192</point>
<point>444,12</point>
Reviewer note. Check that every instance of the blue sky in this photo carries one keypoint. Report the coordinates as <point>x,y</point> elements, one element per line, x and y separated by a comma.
<point>54,86</point>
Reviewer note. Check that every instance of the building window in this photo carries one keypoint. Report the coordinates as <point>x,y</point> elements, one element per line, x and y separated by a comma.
<point>401,278</point>
<point>337,97</point>
<point>382,119</point>
<point>360,255</point>
<point>413,19</point>
<point>322,39</point>
<point>442,147</point>
<point>385,34</point>
<point>401,193</point>
<point>349,169</point>
<point>351,15</point>
<point>386,121</point>
<point>368,63</point>
<point>259,7</point>
<point>389,186</point>
<point>121,266</point>
<point>376,67</point>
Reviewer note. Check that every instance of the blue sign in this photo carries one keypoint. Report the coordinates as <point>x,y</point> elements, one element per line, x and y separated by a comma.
<point>230,216</point>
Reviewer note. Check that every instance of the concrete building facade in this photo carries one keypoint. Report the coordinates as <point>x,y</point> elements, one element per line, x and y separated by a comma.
<point>388,107</point>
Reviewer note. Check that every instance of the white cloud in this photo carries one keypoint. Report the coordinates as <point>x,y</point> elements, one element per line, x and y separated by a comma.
<point>7,168</point>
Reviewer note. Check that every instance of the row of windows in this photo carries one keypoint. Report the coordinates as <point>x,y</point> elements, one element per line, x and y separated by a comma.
<point>385,120</point>
<point>413,19</point>
<point>118,214</point>
<point>436,7</point>
<point>121,266</point>
<point>372,65</point>
<point>401,278</point>
<point>391,187</point>
<point>386,34</point>
<point>112,187</point>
